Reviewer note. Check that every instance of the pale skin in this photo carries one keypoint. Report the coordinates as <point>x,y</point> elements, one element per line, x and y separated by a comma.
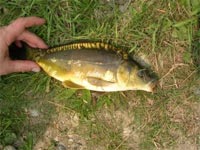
<point>17,32</point>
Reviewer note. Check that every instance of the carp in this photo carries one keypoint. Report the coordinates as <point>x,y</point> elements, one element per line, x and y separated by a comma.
<point>95,66</point>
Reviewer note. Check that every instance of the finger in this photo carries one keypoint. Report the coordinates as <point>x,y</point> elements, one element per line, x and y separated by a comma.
<point>18,26</point>
<point>32,40</point>
<point>21,66</point>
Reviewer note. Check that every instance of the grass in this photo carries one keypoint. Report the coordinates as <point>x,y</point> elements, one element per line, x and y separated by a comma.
<point>165,32</point>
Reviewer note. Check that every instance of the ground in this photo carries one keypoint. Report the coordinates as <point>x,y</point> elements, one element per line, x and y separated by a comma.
<point>37,112</point>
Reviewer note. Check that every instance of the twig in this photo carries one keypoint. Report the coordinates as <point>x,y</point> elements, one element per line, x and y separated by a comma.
<point>161,10</point>
<point>189,76</point>
<point>155,144</point>
<point>170,86</point>
<point>175,82</point>
<point>122,142</point>
<point>173,67</point>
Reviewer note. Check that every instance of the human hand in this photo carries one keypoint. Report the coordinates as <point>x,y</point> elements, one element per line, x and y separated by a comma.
<point>16,32</point>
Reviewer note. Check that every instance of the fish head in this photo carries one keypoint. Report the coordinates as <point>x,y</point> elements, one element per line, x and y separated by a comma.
<point>131,76</point>
<point>142,79</point>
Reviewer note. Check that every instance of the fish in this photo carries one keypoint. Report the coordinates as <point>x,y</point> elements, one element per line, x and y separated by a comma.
<point>96,66</point>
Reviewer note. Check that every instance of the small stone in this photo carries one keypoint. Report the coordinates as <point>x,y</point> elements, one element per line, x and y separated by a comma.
<point>197,91</point>
<point>34,113</point>
<point>9,147</point>
<point>71,140</point>
<point>61,147</point>
<point>56,139</point>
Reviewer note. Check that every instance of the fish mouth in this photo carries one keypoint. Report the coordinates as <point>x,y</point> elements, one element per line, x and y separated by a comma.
<point>152,85</point>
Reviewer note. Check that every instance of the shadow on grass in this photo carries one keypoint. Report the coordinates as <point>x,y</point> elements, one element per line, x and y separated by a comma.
<point>24,115</point>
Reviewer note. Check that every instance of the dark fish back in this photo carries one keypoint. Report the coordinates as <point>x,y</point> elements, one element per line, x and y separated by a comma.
<point>87,55</point>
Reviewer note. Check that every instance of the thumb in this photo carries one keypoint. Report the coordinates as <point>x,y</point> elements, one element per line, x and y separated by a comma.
<point>22,66</point>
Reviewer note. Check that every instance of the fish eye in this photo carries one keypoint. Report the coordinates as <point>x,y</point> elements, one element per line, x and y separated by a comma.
<point>141,73</point>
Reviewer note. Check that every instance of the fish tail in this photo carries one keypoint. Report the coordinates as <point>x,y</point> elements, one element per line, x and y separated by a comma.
<point>33,53</point>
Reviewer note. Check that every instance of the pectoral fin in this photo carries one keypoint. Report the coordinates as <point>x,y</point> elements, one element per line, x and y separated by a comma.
<point>70,84</point>
<point>98,82</point>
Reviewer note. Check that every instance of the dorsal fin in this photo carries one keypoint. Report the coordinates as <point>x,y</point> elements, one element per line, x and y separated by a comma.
<point>89,45</point>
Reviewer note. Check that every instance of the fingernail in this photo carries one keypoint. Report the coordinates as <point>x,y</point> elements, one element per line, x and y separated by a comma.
<point>36,69</point>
